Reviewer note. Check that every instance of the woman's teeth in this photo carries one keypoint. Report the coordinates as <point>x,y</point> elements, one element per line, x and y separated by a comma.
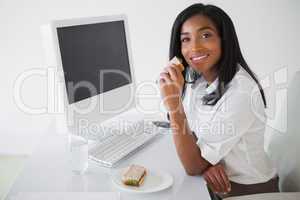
<point>199,58</point>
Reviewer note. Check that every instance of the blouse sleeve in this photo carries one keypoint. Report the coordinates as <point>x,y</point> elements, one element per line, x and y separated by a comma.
<point>228,124</point>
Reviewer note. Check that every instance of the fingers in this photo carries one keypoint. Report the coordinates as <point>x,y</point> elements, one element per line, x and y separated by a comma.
<point>178,62</point>
<point>165,77</point>
<point>178,68</point>
<point>170,74</point>
<point>173,72</point>
<point>211,182</point>
<point>221,183</point>
<point>217,179</point>
<point>225,179</point>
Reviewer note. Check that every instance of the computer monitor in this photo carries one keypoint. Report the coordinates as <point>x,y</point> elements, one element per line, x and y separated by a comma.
<point>95,57</point>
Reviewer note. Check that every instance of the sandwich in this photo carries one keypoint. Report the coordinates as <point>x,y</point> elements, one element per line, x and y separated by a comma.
<point>134,175</point>
<point>178,62</point>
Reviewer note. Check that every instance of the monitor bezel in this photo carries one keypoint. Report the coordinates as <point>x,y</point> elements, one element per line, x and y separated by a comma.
<point>92,114</point>
<point>92,20</point>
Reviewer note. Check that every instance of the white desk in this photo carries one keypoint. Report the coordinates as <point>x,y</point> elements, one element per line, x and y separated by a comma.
<point>48,170</point>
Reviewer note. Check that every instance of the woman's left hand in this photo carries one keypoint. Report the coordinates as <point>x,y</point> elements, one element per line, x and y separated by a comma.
<point>217,179</point>
<point>171,85</point>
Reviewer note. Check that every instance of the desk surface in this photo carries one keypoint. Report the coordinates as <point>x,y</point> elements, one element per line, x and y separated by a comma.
<point>48,170</point>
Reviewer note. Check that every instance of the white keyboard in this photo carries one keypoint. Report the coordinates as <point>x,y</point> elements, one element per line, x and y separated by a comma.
<point>120,139</point>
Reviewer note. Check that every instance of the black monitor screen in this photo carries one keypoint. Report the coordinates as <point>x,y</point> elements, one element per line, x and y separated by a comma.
<point>94,58</point>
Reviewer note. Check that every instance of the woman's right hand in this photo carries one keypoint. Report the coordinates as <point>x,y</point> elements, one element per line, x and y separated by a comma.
<point>217,179</point>
<point>171,83</point>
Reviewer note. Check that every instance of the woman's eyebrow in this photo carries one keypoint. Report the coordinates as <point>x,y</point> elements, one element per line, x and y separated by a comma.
<point>204,28</point>
<point>198,30</point>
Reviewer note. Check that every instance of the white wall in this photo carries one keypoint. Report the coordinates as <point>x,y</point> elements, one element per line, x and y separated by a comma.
<point>267,31</point>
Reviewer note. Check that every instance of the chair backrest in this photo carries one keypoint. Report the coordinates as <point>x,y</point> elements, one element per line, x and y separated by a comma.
<point>284,147</point>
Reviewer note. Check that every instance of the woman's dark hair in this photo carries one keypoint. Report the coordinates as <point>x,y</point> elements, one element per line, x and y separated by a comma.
<point>231,54</point>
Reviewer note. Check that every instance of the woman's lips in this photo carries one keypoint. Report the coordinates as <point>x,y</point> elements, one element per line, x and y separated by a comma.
<point>199,58</point>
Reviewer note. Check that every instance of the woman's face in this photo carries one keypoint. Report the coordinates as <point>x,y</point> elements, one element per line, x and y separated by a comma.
<point>200,44</point>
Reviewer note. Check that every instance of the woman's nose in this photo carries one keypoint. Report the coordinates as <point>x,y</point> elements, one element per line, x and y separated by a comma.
<point>195,49</point>
<point>196,46</point>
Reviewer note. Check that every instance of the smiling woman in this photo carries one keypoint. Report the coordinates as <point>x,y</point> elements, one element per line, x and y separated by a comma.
<point>201,45</point>
<point>218,121</point>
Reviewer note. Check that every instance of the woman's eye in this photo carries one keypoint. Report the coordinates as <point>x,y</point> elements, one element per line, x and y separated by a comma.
<point>184,39</point>
<point>206,35</point>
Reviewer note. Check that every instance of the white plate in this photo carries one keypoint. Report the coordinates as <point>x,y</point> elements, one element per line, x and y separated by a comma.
<point>154,181</point>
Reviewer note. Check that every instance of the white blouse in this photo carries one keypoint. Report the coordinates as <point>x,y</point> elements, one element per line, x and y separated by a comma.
<point>232,131</point>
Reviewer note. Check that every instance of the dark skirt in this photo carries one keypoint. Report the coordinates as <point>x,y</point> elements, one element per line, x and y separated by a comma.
<point>242,189</point>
